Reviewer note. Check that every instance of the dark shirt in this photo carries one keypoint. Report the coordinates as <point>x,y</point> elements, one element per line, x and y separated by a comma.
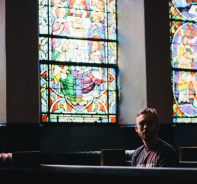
<point>162,155</point>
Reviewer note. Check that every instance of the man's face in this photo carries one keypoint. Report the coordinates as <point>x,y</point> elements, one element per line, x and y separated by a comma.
<point>147,127</point>
<point>61,13</point>
<point>65,46</point>
<point>185,40</point>
<point>96,17</point>
<point>95,46</point>
<point>101,5</point>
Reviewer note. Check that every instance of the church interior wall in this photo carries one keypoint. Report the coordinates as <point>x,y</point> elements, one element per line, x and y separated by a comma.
<point>2,64</point>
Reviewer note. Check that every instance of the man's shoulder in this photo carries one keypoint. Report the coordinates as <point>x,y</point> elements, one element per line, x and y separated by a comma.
<point>165,147</point>
<point>168,156</point>
<point>138,150</point>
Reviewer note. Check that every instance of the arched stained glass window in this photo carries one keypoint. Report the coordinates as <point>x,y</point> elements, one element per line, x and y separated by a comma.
<point>78,61</point>
<point>183,28</point>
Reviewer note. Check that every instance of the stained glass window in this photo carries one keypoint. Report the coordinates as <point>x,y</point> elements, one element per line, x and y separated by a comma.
<point>78,61</point>
<point>183,32</point>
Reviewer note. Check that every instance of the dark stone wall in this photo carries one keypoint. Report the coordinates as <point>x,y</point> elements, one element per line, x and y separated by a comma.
<point>22,85</point>
<point>158,63</point>
<point>70,137</point>
<point>87,138</point>
<point>95,137</point>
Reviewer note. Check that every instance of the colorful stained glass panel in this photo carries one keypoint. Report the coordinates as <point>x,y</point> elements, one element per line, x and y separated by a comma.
<point>44,87</point>
<point>112,78</point>
<point>183,38</point>
<point>112,19</point>
<point>80,19</point>
<point>184,46</point>
<point>76,38</point>
<point>112,102</point>
<point>112,119</point>
<point>83,51</point>
<point>71,93</point>
<point>43,48</point>
<point>112,53</point>
<point>44,118</point>
<point>183,9</point>
<point>43,19</point>
<point>80,51</point>
<point>43,2</point>
<point>79,90</point>
<point>71,26</point>
<point>185,93</point>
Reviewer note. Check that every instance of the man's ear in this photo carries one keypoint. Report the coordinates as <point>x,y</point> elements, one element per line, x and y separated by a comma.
<point>158,127</point>
<point>136,128</point>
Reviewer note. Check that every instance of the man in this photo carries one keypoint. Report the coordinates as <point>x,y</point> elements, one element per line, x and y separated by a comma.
<point>155,152</point>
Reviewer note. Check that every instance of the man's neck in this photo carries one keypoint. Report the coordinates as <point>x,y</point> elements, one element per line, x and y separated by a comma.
<point>149,144</point>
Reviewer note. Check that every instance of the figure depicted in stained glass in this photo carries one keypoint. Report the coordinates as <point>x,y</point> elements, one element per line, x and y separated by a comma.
<point>184,52</point>
<point>100,5</point>
<point>185,77</point>
<point>63,75</point>
<point>87,77</point>
<point>77,84</point>
<point>67,81</point>
<point>61,53</point>
<point>95,75</point>
<point>79,18</point>
<point>60,25</point>
<point>185,60</point>
<point>90,76</point>
<point>182,46</point>
<point>96,55</point>
<point>188,41</point>
<point>78,8</point>
<point>96,27</point>
<point>97,6</point>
